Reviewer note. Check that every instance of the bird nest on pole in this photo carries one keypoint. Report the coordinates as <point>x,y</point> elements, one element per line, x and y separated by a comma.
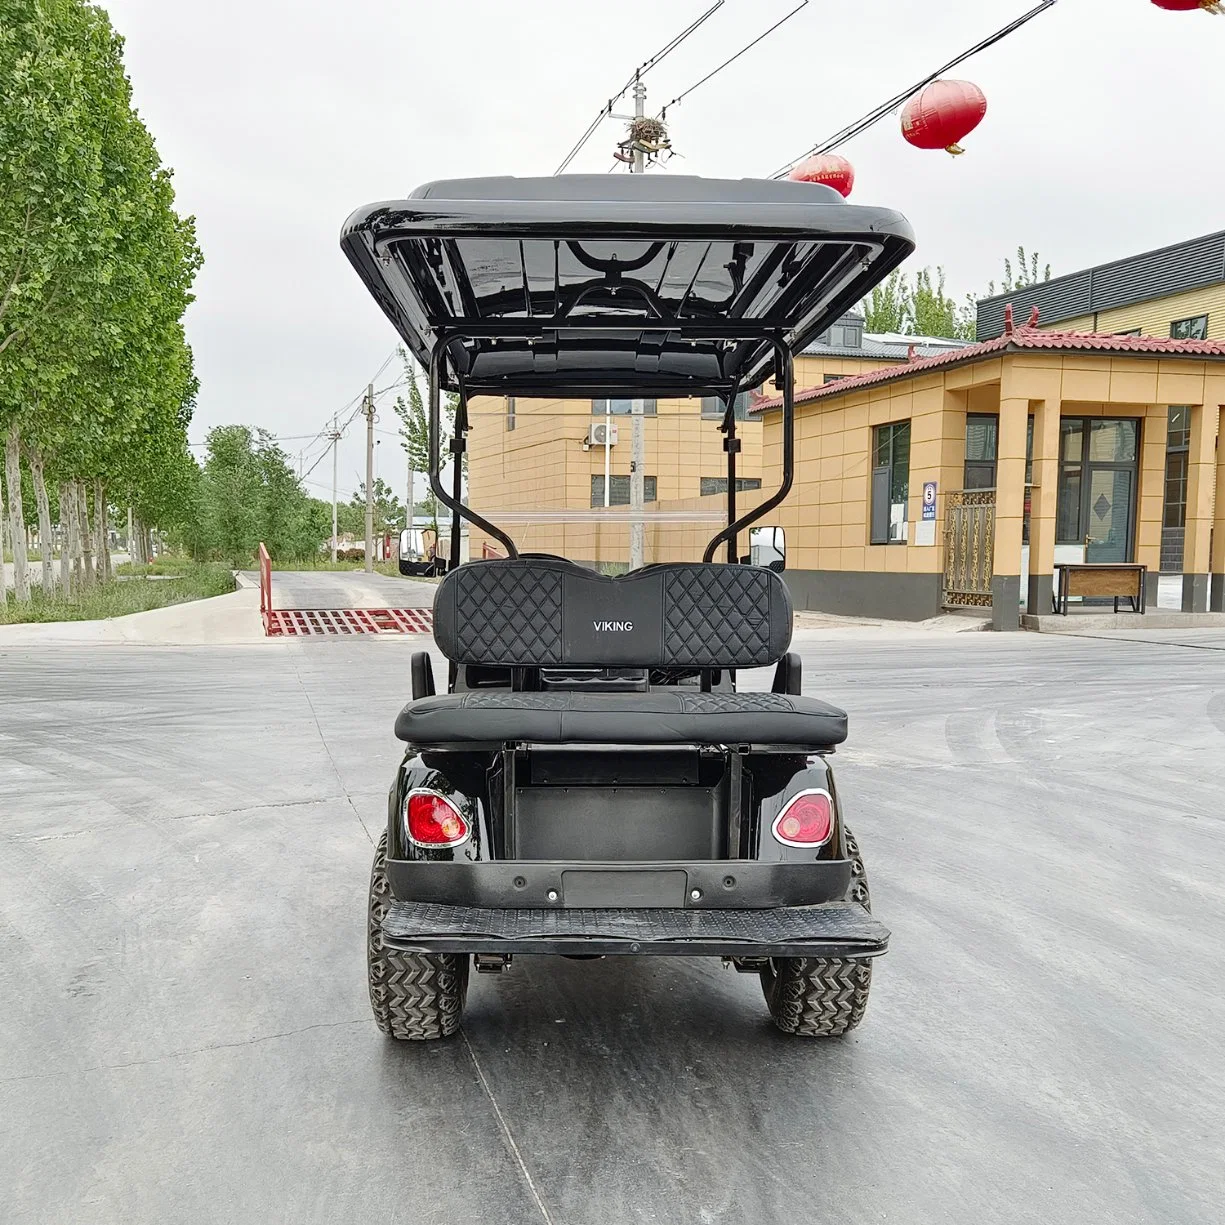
<point>647,131</point>
<point>646,135</point>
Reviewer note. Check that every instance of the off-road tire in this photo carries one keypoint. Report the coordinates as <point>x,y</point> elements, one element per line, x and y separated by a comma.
<point>415,996</point>
<point>822,997</point>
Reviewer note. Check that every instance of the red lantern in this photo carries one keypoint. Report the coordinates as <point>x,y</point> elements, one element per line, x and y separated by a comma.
<point>827,168</point>
<point>942,114</point>
<point>1188,6</point>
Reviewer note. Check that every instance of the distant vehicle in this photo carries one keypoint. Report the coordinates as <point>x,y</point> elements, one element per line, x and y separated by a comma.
<point>592,782</point>
<point>424,562</point>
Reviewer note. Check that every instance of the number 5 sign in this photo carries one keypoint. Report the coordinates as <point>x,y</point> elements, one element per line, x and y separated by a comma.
<point>929,499</point>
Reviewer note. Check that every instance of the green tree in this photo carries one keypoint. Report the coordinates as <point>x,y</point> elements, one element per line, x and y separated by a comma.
<point>388,509</point>
<point>231,494</point>
<point>95,274</point>
<point>415,422</point>
<point>932,311</point>
<point>1029,270</point>
<point>919,309</point>
<point>248,493</point>
<point>887,308</point>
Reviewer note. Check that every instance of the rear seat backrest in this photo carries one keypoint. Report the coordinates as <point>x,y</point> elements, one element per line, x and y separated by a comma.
<point>534,612</point>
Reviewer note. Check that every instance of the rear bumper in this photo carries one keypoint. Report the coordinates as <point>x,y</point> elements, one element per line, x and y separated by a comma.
<point>835,929</point>
<point>725,884</point>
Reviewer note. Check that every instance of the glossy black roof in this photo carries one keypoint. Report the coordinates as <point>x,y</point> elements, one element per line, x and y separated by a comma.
<point>604,285</point>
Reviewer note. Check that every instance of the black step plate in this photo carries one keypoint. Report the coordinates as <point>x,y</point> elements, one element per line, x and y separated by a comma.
<point>836,929</point>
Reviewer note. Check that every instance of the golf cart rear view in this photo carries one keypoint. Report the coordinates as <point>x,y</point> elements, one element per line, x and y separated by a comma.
<point>588,780</point>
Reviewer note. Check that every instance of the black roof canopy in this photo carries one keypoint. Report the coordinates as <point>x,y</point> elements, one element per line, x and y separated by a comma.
<point>606,285</point>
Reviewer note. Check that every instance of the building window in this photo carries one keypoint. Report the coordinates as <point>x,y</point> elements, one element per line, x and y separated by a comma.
<point>890,482</point>
<point>982,451</point>
<point>712,407</point>
<point>619,490</point>
<point>620,408</point>
<point>1130,332</point>
<point>1195,328</point>
<point>982,442</point>
<point>852,336</point>
<point>1178,448</point>
<point>510,413</point>
<point>718,484</point>
<point>833,378</point>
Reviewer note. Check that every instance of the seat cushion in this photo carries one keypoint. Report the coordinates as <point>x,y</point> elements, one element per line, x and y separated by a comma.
<point>663,716</point>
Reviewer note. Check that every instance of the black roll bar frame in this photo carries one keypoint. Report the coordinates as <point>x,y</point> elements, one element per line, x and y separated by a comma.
<point>784,380</point>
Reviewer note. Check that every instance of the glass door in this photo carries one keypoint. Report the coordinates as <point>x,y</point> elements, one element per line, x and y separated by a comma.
<point>1111,508</point>
<point>1098,474</point>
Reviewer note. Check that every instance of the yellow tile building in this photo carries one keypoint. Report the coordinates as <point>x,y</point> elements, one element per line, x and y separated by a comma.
<point>1176,291</point>
<point>536,467</point>
<point>1041,447</point>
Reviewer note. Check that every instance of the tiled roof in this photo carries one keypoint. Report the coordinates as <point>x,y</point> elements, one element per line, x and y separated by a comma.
<point>873,349</point>
<point>1011,342</point>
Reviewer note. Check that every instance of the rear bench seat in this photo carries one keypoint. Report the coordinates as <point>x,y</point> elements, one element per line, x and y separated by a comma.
<point>540,613</point>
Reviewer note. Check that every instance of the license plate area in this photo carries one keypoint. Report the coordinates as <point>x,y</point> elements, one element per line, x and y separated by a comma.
<point>631,889</point>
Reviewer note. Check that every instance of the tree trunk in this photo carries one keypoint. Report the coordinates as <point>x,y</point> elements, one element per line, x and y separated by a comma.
<point>89,576</point>
<point>102,526</point>
<point>74,521</point>
<point>4,586</point>
<point>17,523</point>
<point>65,538</point>
<point>136,542</point>
<point>44,520</point>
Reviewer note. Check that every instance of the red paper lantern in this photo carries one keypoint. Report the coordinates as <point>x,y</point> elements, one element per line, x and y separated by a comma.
<point>942,114</point>
<point>1189,6</point>
<point>827,168</point>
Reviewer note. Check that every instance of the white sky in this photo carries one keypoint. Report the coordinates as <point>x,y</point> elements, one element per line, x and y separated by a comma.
<point>1103,138</point>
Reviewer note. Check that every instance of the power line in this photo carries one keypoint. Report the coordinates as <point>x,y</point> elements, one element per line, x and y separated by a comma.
<point>878,113</point>
<point>640,71</point>
<point>732,59</point>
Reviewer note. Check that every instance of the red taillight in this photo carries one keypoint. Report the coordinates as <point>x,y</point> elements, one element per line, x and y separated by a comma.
<point>806,821</point>
<point>434,821</point>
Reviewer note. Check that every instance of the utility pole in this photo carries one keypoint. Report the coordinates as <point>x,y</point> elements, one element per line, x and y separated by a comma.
<point>335,437</point>
<point>408,513</point>
<point>637,432</point>
<point>370,479</point>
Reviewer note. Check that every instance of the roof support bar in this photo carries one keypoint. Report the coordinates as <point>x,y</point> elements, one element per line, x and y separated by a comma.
<point>454,502</point>
<point>784,368</point>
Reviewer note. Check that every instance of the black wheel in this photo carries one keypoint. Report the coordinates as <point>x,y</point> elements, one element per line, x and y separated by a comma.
<point>415,996</point>
<point>821,997</point>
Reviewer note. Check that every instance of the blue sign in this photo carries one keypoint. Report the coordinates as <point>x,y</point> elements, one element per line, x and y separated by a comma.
<point>929,499</point>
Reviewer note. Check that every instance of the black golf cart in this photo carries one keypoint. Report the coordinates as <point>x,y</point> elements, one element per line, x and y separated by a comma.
<point>592,782</point>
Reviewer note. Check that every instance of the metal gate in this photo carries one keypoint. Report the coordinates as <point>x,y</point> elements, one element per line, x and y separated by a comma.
<point>969,548</point>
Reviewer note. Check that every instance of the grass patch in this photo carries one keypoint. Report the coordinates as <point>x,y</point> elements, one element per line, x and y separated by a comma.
<point>326,563</point>
<point>195,581</point>
<point>168,563</point>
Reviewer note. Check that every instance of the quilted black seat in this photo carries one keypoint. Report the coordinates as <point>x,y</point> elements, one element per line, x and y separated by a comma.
<point>545,612</point>
<point>664,716</point>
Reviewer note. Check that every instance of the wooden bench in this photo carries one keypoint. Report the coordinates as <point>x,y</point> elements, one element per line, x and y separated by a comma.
<point>1122,580</point>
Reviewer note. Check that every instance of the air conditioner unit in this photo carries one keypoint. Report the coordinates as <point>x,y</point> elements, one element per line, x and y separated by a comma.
<point>602,434</point>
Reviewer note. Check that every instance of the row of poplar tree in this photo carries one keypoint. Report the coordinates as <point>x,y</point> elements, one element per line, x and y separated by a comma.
<point>96,268</point>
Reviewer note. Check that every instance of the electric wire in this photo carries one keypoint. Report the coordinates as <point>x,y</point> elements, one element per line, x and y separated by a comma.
<point>638,73</point>
<point>878,113</point>
<point>732,59</point>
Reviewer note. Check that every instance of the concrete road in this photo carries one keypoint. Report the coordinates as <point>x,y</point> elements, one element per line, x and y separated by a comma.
<point>185,836</point>
<point>347,589</point>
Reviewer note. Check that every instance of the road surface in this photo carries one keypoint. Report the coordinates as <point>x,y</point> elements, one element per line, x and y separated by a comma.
<point>185,837</point>
<point>347,589</point>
